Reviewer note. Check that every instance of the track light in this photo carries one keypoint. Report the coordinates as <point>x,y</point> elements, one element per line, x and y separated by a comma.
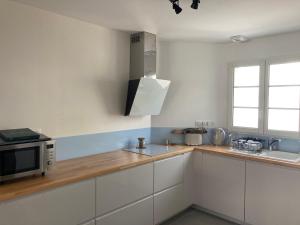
<point>195,4</point>
<point>176,6</point>
<point>178,9</point>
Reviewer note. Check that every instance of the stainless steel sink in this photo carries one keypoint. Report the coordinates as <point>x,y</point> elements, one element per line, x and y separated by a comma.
<point>279,155</point>
<point>286,156</point>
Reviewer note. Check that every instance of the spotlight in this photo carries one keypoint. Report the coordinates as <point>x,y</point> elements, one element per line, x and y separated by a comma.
<point>176,6</point>
<point>195,4</point>
<point>239,39</point>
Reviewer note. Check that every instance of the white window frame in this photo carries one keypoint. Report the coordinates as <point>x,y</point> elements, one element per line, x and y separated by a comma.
<point>290,134</point>
<point>232,66</point>
<point>263,97</point>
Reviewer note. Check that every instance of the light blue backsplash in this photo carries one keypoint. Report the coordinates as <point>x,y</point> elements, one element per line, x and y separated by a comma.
<point>83,145</point>
<point>290,145</point>
<point>160,134</point>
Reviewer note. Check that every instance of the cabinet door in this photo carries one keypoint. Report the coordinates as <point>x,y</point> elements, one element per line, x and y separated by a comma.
<point>188,179</point>
<point>69,205</point>
<point>222,185</point>
<point>168,173</point>
<point>168,203</point>
<point>272,195</point>
<point>197,177</point>
<point>124,187</point>
<point>139,213</point>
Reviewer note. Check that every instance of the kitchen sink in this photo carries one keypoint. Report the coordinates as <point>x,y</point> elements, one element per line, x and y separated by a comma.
<point>287,156</point>
<point>279,155</point>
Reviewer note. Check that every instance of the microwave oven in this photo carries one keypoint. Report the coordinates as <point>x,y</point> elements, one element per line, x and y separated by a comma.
<point>26,158</point>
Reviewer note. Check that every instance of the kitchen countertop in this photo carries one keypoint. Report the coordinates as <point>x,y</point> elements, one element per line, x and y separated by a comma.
<point>78,169</point>
<point>225,150</point>
<point>75,170</point>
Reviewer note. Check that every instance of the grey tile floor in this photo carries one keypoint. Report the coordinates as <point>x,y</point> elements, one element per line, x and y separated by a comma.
<point>196,217</point>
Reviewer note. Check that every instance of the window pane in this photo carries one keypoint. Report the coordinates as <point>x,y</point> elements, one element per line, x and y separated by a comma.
<point>285,74</point>
<point>285,120</point>
<point>246,76</point>
<point>246,97</point>
<point>284,97</point>
<point>245,117</point>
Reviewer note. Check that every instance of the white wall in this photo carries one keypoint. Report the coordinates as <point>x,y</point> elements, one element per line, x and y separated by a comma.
<point>62,75</point>
<point>199,75</point>
<point>69,77</point>
<point>284,45</point>
<point>197,89</point>
<point>262,48</point>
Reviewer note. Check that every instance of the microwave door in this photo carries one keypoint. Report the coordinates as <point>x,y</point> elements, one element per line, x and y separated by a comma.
<point>20,161</point>
<point>27,159</point>
<point>9,162</point>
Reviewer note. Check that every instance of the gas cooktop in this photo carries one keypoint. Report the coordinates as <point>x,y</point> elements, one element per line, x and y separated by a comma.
<point>152,150</point>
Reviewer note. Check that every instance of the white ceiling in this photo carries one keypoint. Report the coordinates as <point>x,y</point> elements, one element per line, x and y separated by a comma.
<point>215,20</point>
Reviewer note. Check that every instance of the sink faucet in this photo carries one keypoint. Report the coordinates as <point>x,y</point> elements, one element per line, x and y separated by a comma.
<point>272,143</point>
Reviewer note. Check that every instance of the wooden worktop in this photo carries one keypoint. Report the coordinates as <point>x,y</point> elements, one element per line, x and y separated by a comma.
<point>225,150</point>
<point>75,170</point>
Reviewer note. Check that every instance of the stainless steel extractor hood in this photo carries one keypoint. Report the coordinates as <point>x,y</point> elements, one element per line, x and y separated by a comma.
<point>146,94</point>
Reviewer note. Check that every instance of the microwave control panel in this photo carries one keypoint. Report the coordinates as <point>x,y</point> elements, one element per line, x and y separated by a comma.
<point>51,154</point>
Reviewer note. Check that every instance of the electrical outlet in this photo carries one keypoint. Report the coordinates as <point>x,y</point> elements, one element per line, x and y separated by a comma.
<point>204,123</point>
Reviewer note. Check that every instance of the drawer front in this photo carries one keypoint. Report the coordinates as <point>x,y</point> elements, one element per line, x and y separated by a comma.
<point>121,188</point>
<point>139,213</point>
<point>168,203</point>
<point>68,205</point>
<point>168,172</point>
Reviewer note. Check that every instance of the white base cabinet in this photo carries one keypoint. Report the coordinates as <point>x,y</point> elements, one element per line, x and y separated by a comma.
<point>121,188</point>
<point>222,185</point>
<point>168,203</point>
<point>171,187</point>
<point>188,179</point>
<point>197,173</point>
<point>272,195</point>
<point>69,205</point>
<point>139,213</point>
<point>168,172</point>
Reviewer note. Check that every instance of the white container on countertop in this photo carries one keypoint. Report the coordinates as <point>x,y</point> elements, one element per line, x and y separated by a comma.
<point>193,136</point>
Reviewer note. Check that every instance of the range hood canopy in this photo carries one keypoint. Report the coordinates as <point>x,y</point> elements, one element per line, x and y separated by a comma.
<point>146,94</point>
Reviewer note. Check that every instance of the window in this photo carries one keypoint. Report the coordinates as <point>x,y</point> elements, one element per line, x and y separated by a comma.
<point>266,101</point>
<point>245,109</point>
<point>283,93</point>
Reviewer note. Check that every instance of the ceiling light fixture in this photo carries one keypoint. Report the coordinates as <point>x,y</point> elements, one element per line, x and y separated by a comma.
<point>178,9</point>
<point>195,4</point>
<point>239,39</point>
<point>176,6</point>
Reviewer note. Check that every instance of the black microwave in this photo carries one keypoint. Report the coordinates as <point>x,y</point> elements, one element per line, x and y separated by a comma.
<point>26,158</point>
